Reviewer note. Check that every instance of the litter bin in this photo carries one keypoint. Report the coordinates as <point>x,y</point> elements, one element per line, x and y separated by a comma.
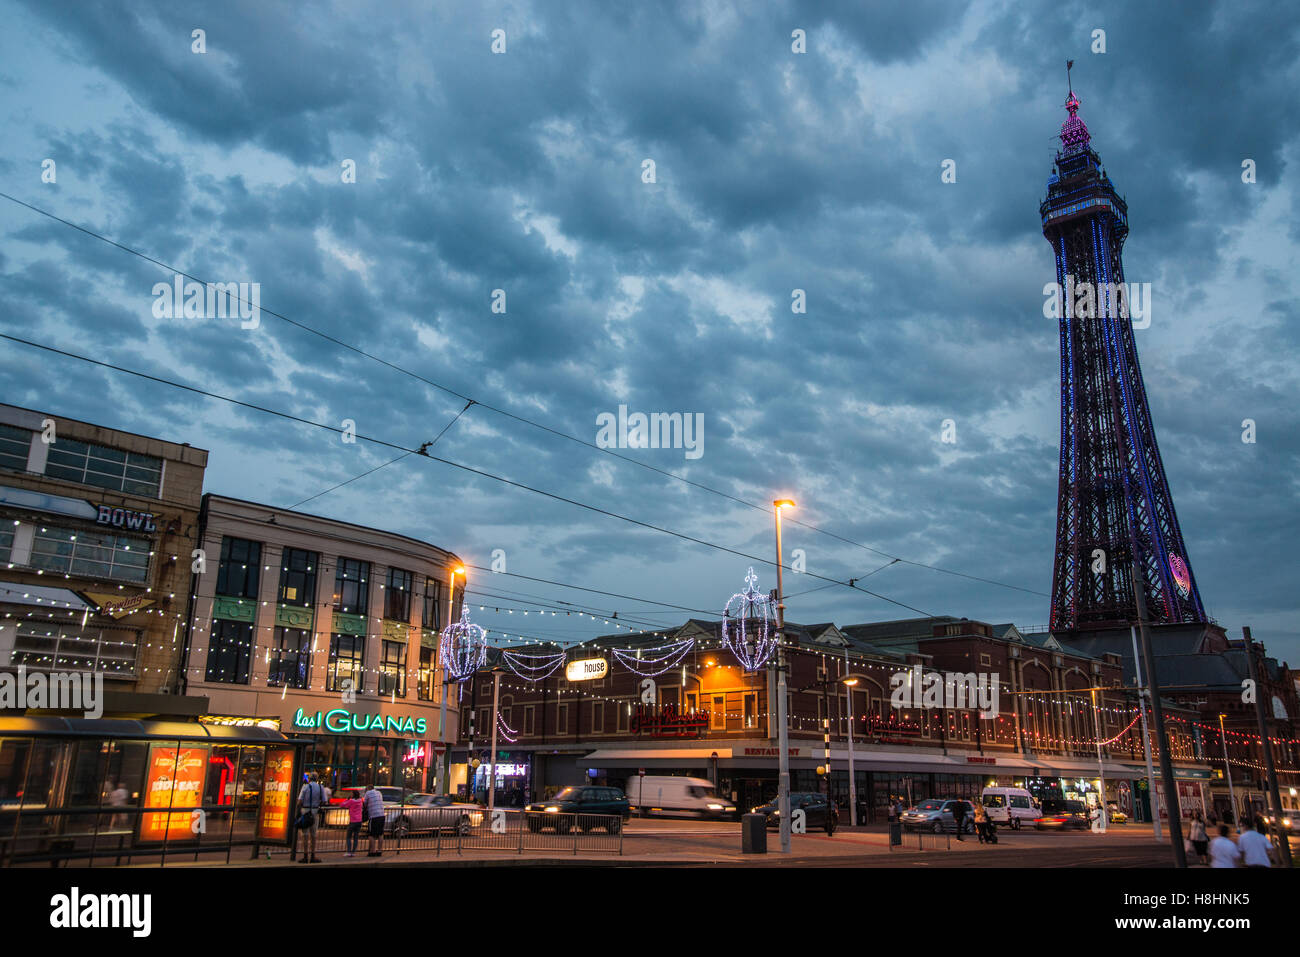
<point>895,832</point>
<point>753,834</point>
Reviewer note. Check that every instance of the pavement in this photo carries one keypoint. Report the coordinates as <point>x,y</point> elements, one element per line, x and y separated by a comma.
<point>668,843</point>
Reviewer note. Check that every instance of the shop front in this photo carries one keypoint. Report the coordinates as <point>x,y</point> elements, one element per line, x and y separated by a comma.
<point>354,748</point>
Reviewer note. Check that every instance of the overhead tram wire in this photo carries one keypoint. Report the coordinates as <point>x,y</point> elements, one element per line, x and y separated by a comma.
<point>504,412</point>
<point>422,450</point>
<point>457,465</point>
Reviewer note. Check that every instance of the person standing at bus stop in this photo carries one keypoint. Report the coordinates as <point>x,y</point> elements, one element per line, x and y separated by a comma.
<point>373,807</point>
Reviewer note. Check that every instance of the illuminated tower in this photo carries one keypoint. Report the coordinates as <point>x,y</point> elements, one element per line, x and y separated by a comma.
<point>1113,500</point>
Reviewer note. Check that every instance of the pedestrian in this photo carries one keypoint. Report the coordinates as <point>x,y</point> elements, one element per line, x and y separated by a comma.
<point>311,797</point>
<point>959,816</point>
<point>1223,849</point>
<point>355,808</point>
<point>1256,848</point>
<point>1200,841</point>
<point>374,813</point>
<point>119,797</point>
<point>981,823</point>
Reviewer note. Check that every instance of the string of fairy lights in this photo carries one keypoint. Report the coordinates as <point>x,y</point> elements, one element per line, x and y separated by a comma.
<point>642,660</point>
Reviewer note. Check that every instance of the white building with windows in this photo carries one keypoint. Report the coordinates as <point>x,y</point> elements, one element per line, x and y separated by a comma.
<point>330,631</point>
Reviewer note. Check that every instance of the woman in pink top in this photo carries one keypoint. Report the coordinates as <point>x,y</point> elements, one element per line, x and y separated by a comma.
<point>354,824</point>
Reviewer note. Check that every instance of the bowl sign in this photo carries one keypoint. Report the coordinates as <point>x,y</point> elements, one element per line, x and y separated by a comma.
<point>588,669</point>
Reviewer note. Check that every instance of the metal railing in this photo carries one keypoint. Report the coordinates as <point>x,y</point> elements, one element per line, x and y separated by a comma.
<point>83,837</point>
<point>504,831</point>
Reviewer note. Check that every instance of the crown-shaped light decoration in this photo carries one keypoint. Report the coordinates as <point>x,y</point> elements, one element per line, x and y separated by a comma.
<point>462,646</point>
<point>747,626</point>
<point>1074,132</point>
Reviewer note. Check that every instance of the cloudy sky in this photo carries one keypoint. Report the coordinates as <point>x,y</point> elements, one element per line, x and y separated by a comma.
<point>525,171</point>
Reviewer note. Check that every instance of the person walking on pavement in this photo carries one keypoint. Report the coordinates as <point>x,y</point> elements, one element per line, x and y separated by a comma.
<point>373,807</point>
<point>311,798</point>
<point>959,816</point>
<point>1256,848</point>
<point>1200,841</point>
<point>981,823</point>
<point>1223,849</point>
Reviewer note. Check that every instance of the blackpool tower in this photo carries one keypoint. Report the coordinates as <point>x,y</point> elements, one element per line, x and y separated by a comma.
<point>1113,498</point>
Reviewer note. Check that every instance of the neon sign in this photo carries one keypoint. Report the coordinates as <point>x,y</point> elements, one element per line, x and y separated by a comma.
<point>587,669</point>
<point>341,721</point>
<point>414,753</point>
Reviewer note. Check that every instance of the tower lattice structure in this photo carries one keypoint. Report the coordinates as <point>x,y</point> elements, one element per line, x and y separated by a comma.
<point>1113,500</point>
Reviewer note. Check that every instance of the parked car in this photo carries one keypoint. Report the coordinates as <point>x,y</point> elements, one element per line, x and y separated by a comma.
<point>1013,806</point>
<point>936,815</point>
<point>677,797</point>
<point>1062,815</point>
<point>818,811</point>
<point>409,812</point>
<point>596,806</point>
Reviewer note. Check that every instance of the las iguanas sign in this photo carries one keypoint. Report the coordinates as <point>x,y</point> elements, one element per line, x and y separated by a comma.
<point>341,721</point>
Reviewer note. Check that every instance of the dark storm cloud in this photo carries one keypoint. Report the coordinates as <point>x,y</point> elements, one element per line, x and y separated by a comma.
<point>774,171</point>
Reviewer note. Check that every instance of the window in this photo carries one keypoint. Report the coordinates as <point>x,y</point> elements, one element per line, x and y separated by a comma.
<point>291,659</point>
<point>241,562</point>
<point>751,710</point>
<point>562,719</point>
<point>15,444</point>
<point>718,715</point>
<point>230,648</point>
<point>350,588</point>
<point>432,604</point>
<point>90,554</point>
<point>397,595</point>
<point>104,467</point>
<point>985,661</point>
<point>692,702</point>
<point>47,646</point>
<point>347,658</point>
<point>6,543</point>
<point>298,577</point>
<point>392,668</point>
<point>425,684</point>
<point>530,720</point>
<point>598,717</point>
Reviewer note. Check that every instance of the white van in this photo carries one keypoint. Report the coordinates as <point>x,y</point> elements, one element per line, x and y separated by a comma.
<point>672,796</point>
<point>1011,806</point>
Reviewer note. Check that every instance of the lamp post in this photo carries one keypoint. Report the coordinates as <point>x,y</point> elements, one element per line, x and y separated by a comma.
<point>497,671</point>
<point>853,784</point>
<point>1101,768</point>
<point>782,718</point>
<point>442,687</point>
<point>1227,770</point>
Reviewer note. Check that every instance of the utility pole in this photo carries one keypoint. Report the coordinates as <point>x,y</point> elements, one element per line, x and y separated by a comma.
<point>1152,801</point>
<point>1256,672</point>
<point>492,766</point>
<point>1101,768</point>
<point>1158,718</point>
<point>782,716</point>
<point>1227,770</point>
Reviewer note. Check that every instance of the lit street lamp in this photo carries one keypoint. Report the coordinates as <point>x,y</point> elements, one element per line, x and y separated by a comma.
<point>1227,770</point>
<point>853,785</point>
<point>442,686</point>
<point>782,718</point>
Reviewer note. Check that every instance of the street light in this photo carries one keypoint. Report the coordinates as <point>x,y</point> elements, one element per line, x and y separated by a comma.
<point>442,686</point>
<point>853,784</point>
<point>782,718</point>
<point>1227,770</point>
<point>497,672</point>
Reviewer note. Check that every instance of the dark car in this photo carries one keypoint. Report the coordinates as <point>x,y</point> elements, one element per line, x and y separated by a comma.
<point>818,811</point>
<point>595,806</point>
<point>938,815</point>
<point>1061,815</point>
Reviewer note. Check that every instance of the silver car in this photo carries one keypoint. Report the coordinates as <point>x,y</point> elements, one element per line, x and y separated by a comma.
<point>936,815</point>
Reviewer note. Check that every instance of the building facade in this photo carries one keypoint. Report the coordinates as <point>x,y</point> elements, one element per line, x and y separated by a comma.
<point>705,717</point>
<point>328,631</point>
<point>96,532</point>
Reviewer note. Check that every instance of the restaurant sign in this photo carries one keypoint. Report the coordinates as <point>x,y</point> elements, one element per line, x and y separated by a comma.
<point>668,722</point>
<point>588,669</point>
<point>341,721</point>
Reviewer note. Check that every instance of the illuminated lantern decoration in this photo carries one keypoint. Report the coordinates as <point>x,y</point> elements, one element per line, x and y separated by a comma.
<point>747,626</point>
<point>462,646</point>
<point>1182,577</point>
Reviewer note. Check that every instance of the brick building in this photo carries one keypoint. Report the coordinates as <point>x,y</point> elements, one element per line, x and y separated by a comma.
<point>705,717</point>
